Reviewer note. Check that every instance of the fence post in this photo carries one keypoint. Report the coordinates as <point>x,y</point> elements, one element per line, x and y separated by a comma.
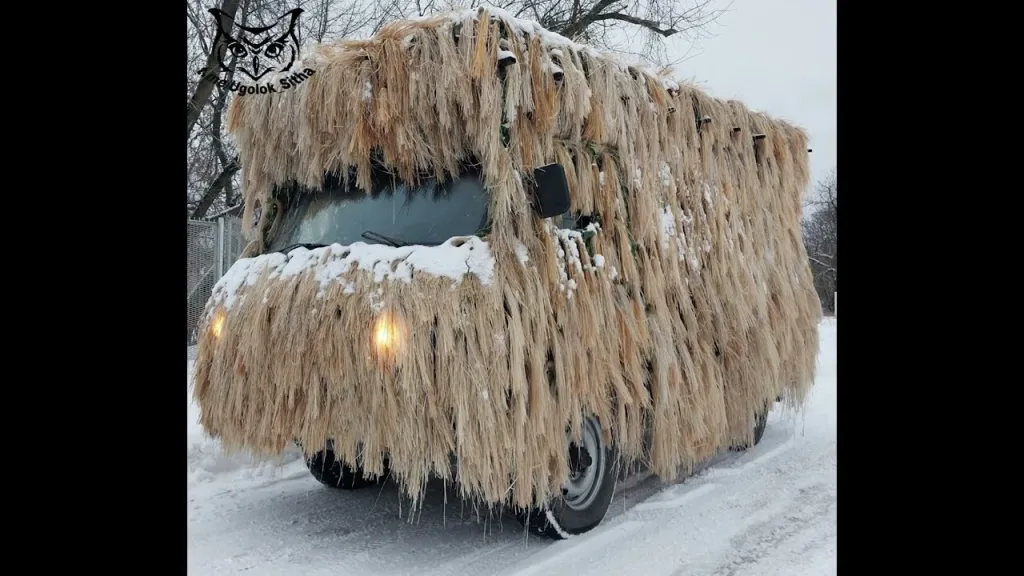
<point>229,238</point>
<point>220,247</point>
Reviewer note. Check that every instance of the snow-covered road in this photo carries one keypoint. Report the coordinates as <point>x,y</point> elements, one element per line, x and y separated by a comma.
<point>771,510</point>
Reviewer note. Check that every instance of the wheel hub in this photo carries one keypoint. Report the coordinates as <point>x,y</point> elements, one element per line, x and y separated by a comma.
<point>579,458</point>
<point>586,468</point>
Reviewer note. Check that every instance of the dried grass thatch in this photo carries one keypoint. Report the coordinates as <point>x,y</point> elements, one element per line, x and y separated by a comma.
<point>689,306</point>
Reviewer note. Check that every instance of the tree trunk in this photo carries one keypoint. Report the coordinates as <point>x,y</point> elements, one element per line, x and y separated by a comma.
<point>211,193</point>
<point>215,131</point>
<point>574,27</point>
<point>206,84</point>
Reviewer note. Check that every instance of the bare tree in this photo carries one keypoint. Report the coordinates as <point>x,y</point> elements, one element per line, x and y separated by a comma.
<point>821,234</point>
<point>605,24</point>
<point>608,23</point>
<point>213,169</point>
<point>204,88</point>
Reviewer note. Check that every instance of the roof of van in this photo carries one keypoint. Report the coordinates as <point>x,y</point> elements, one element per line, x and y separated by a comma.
<point>424,94</point>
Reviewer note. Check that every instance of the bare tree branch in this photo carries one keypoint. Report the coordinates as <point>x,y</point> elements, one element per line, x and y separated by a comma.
<point>572,29</point>
<point>643,23</point>
<point>820,232</point>
<point>214,190</point>
<point>195,19</point>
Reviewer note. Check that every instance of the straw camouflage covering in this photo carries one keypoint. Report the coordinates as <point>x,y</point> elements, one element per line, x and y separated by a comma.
<point>686,307</point>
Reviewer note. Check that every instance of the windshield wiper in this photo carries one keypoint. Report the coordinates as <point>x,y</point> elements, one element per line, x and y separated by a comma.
<point>307,246</point>
<point>371,235</point>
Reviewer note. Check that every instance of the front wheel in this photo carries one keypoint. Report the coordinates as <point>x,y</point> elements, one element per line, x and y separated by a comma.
<point>586,496</point>
<point>333,473</point>
<point>760,423</point>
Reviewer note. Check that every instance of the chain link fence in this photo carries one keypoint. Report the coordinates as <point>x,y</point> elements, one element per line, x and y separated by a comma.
<point>207,239</point>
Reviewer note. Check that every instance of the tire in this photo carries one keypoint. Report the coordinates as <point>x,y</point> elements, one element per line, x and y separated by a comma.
<point>585,499</point>
<point>760,423</point>
<point>331,472</point>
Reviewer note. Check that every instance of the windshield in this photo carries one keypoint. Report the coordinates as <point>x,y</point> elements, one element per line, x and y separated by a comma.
<point>392,214</point>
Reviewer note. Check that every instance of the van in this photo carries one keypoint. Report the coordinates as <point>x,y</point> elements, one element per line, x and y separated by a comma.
<point>482,252</point>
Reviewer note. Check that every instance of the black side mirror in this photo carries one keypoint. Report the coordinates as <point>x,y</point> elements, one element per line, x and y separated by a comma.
<point>552,191</point>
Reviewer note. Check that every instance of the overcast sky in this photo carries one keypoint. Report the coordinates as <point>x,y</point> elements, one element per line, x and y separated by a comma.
<point>778,57</point>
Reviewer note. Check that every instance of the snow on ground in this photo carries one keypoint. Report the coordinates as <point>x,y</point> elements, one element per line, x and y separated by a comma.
<point>768,511</point>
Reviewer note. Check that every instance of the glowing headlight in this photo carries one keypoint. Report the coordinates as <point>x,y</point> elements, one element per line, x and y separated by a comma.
<point>386,337</point>
<point>217,325</point>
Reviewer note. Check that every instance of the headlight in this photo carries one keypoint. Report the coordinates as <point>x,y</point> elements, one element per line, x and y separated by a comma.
<point>218,324</point>
<point>387,335</point>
